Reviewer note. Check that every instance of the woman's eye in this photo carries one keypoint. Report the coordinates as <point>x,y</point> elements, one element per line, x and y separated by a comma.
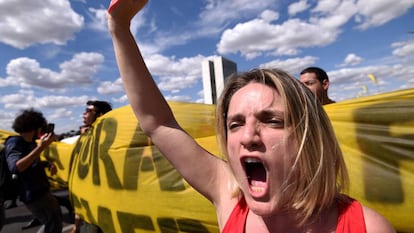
<point>275,123</point>
<point>233,125</point>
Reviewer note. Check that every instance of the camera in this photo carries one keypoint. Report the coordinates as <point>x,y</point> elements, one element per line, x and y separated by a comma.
<point>50,128</point>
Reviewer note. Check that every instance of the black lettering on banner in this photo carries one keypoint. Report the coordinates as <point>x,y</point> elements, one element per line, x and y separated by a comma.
<point>191,225</point>
<point>105,220</point>
<point>85,205</point>
<point>74,200</point>
<point>109,126</point>
<point>129,222</point>
<point>383,150</point>
<point>168,225</point>
<point>84,156</point>
<point>96,179</point>
<point>168,177</point>
<point>146,165</point>
<point>135,162</point>
<point>104,215</point>
<point>133,156</point>
<point>77,204</point>
<point>76,151</point>
<point>88,151</point>
<point>51,154</point>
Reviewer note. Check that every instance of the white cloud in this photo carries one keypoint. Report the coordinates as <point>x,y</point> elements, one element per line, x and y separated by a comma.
<point>347,82</point>
<point>352,60</point>
<point>19,29</point>
<point>27,72</point>
<point>269,15</point>
<point>373,13</point>
<point>55,108</point>
<point>403,49</point>
<point>162,65</point>
<point>175,74</point>
<point>255,37</point>
<point>4,82</point>
<point>327,6</point>
<point>60,113</point>
<point>218,12</point>
<point>211,21</point>
<point>182,98</point>
<point>27,99</point>
<point>81,67</point>
<point>99,21</point>
<point>292,65</point>
<point>177,83</point>
<point>108,87</point>
<point>322,28</point>
<point>6,119</point>
<point>297,7</point>
<point>122,99</point>
<point>335,18</point>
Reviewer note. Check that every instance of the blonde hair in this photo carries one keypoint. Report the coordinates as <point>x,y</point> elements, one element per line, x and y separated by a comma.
<point>318,174</point>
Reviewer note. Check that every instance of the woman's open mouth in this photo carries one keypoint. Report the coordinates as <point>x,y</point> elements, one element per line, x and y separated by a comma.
<point>256,176</point>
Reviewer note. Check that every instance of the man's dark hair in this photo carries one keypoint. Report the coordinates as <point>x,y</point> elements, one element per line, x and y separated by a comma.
<point>29,120</point>
<point>101,107</point>
<point>320,73</point>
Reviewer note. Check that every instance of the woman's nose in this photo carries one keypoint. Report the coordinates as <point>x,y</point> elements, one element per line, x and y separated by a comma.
<point>251,135</point>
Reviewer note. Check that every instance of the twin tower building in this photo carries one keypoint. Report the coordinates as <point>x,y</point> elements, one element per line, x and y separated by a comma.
<point>215,72</point>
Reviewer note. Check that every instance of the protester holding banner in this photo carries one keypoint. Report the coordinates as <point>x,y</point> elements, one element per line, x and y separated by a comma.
<point>93,110</point>
<point>23,159</point>
<point>317,80</point>
<point>284,170</point>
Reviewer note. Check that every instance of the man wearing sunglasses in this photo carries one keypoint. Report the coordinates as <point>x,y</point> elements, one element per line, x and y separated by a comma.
<point>94,109</point>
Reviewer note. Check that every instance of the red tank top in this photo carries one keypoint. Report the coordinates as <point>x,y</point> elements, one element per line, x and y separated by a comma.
<point>350,217</point>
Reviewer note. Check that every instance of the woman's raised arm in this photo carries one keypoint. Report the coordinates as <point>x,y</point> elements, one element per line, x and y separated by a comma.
<point>156,119</point>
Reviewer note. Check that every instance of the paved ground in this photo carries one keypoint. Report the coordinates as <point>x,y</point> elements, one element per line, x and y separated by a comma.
<point>19,216</point>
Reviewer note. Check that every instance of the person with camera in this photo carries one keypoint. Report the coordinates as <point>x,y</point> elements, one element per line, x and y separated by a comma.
<point>23,159</point>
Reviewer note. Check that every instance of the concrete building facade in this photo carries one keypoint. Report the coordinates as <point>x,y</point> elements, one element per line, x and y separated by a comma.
<point>215,73</point>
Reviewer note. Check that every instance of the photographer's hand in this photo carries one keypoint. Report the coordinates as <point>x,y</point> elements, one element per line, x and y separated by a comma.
<point>46,139</point>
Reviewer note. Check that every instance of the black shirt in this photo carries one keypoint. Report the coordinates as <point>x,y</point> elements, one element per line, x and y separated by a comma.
<point>33,182</point>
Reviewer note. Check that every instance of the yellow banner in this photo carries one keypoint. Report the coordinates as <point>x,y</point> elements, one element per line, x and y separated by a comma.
<point>122,183</point>
<point>376,135</point>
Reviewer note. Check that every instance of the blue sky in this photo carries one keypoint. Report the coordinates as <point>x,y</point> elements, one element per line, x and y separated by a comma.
<point>57,54</point>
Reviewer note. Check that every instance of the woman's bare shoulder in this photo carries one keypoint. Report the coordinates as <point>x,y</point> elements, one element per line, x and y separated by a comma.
<point>376,223</point>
